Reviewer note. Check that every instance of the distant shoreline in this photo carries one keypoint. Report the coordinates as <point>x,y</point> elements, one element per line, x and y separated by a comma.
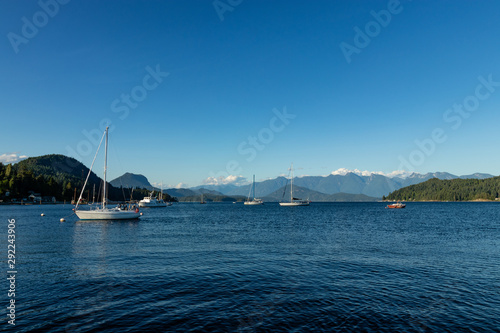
<point>267,202</point>
<point>32,204</point>
<point>476,200</point>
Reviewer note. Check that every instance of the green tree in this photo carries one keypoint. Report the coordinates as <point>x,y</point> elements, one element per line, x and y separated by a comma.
<point>8,170</point>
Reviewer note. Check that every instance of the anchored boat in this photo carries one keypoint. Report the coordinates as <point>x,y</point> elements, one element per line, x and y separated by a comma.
<point>254,201</point>
<point>154,202</point>
<point>293,201</point>
<point>397,205</point>
<point>122,212</point>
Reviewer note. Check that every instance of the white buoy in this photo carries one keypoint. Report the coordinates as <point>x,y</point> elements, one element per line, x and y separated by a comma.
<point>42,214</point>
<point>141,214</point>
<point>62,220</point>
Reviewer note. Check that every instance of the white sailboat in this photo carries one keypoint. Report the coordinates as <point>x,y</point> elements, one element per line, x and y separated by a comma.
<point>153,202</point>
<point>294,201</point>
<point>254,201</point>
<point>103,212</point>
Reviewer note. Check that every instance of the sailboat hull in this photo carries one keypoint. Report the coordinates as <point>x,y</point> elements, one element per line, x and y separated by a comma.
<point>152,203</point>
<point>107,214</point>
<point>303,203</point>
<point>254,202</point>
<point>104,213</point>
<point>155,205</point>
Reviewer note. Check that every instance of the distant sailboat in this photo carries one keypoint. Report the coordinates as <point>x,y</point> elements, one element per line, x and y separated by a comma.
<point>294,201</point>
<point>104,213</point>
<point>93,198</point>
<point>254,201</point>
<point>202,201</point>
<point>397,205</point>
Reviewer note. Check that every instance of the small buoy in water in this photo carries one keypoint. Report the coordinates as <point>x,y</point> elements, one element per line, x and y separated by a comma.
<point>62,220</point>
<point>42,214</point>
<point>141,214</point>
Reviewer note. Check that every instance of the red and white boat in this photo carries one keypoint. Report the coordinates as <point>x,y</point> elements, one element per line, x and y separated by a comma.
<point>396,205</point>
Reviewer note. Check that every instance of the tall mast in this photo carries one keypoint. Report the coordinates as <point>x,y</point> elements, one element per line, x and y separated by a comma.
<point>104,196</point>
<point>254,186</point>
<point>90,170</point>
<point>291,186</point>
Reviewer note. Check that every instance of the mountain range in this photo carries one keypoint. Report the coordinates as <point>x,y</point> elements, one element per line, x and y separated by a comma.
<point>62,177</point>
<point>373,185</point>
<point>348,186</point>
<point>278,195</point>
<point>305,193</point>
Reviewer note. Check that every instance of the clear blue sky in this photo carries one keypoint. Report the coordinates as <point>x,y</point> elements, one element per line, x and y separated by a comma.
<point>226,76</point>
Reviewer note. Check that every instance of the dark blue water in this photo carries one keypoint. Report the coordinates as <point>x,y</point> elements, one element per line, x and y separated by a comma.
<point>347,267</point>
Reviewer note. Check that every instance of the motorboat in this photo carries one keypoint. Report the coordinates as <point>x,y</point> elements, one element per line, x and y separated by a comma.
<point>397,205</point>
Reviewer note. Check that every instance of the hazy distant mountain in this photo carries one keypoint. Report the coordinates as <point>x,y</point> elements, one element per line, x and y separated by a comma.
<point>184,192</point>
<point>212,198</point>
<point>283,194</point>
<point>206,191</point>
<point>374,185</point>
<point>348,197</point>
<point>219,188</point>
<point>261,188</point>
<point>180,192</point>
<point>477,176</point>
<point>131,180</point>
<point>417,178</point>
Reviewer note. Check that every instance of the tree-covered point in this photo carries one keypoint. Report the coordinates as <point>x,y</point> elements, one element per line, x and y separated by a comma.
<point>449,190</point>
<point>60,177</point>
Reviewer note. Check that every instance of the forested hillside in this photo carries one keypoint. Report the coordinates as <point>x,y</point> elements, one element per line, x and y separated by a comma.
<point>57,176</point>
<point>449,190</point>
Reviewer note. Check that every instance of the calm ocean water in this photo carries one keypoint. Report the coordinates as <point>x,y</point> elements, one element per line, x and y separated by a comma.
<point>346,267</point>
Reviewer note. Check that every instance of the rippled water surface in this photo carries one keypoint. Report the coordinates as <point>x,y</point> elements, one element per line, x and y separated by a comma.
<point>346,267</point>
